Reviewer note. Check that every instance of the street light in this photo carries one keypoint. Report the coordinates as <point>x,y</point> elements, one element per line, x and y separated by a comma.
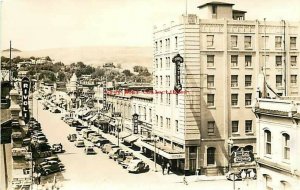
<point>155,139</point>
<point>247,177</point>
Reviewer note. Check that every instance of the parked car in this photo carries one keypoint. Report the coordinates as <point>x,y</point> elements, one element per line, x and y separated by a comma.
<point>113,152</point>
<point>52,162</point>
<point>80,127</point>
<point>51,158</point>
<point>101,142</point>
<point>89,150</point>
<point>57,148</point>
<point>108,147</point>
<point>72,137</point>
<point>48,169</point>
<point>87,132</point>
<point>79,143</point>
<point>137,166</point>
<point>122,155</point>
<point>93,135</point>
<point>75,123</point>
<point>127,160</point>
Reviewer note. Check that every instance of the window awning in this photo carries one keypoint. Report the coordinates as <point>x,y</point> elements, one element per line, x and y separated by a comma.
<point>170,156</point>
<point>124,134</point>
<point>131,138</point>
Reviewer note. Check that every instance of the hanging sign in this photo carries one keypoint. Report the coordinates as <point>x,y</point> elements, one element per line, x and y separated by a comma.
<point>135,122</point>
<point>25,97</point>
<point>177,60</point>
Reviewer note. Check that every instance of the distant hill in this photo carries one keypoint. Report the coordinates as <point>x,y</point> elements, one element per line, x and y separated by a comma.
<point>12,49</point>
<point>96,56</point>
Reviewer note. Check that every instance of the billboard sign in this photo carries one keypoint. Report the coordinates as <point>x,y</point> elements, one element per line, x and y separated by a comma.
<point>135,121</point>
<point>177,60</point>
<point>25,97</point>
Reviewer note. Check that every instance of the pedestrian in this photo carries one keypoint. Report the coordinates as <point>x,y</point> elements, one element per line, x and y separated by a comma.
<point>38,178</point>
<point>168,167</point>
<point>185,181</point>
<point>163,167</point>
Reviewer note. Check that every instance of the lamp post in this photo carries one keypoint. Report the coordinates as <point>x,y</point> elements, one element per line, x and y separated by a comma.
<point>154,138</point>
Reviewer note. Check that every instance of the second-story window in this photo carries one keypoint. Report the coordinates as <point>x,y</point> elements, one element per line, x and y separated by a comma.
<point>278,60</point>
<point>234,81</point>
<point>293,42</point>
<point>210,40</point>
<point>248,80</point>
<point>286,146</point>
<point>234,40</point>
<point>268,142</point>
<point>234,60</point>
<point>210,81</point>
<point>248,60</point>
<point>247,42</point>
<point>210,60</point>
<point>278,42</point>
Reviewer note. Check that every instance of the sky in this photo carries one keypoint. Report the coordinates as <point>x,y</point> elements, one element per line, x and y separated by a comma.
<point>43,24</point>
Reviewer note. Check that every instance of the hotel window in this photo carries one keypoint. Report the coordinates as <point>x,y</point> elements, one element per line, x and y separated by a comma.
<point>176,97</point>
<point>161,63</point>
<point>234,99</point>
<point>293,61</point>
<point>210,81</point>
<point>278,42</point>
<point>248,80</point>
<point>161,98</point>
<point>235,126</point>
<point>209,40</point>
<point>233,41</point>
<point>210,99</point>
<point>248,126</point>
<point>248,99</point>
<point>293,80</point>
<point>248,60</point>
<point>160,42</point>
<point>265,42</point>
<point>211,151</point>
<point>234,60</point>
<point>210,60</point>
<point>278,61</point>
<point>176,125</point>
<point>234,81</point>
<point>176,41</point>
<point>214,9</point>
<point>166,46</point>
<point>293,42</point>
<point>156,46</point>
<point>168,80</point>
<point>150,115</point>
<point>247,41</point>
<point>161,80</point>
<point>161,121</point>
<point>156,120</point>
<point>268,143</point>
<point>278,80</point>
<point>145,115</point>
<point>211,128</point>
<point>169,98</point>
<point>168,123</point>
<point>156,80</point>
<point>156,63</point>
<point>286,146</point>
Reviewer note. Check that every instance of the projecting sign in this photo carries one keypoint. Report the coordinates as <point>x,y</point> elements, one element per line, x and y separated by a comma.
<point>25,97</point>
<point>116,114</point>
<point>135,122</point>
<point>177,60</point>
<point>242,156</point>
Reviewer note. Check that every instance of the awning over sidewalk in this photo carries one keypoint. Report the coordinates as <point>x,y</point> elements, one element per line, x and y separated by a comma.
<point>171,156</point>
<point>123,134</point>
<point>131,139</point>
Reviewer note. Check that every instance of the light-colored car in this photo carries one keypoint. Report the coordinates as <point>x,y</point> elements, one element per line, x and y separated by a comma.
<point>89,150</point>
<point>113,152</point>
<point>79,143</point>
<point>127,160</point>
<point>92,135</point>
<point>137,166</point>
<point>108,147</point>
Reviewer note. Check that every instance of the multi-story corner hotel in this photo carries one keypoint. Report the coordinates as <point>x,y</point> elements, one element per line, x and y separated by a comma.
<point>223,54</point>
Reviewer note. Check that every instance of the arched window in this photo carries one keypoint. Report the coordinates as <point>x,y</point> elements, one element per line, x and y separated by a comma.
<point>211,156</point>
<point>268,145</point>
<point>286,146</point>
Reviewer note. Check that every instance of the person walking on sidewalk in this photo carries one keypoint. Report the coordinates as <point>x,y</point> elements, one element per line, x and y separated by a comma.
<point>163,167</point>
<point>168,167</point>
<point>185,181</point>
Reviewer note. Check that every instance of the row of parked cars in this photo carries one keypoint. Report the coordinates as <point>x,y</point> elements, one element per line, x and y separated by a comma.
<point>124,158</point>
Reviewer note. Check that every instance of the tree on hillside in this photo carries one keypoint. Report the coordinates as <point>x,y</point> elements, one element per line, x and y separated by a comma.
<point>127,73</point>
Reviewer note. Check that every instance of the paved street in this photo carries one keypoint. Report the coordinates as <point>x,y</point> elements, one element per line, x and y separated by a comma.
<point>100,172</point>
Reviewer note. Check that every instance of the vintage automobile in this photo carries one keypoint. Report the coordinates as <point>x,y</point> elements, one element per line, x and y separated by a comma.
<point>108,147</point>
<point>79,143</point>
<point>121,156</point>
<point>92,135</point>
<point>51,158</point>
<point>126,161</point>
<point>57,148</point>
<point>72,137</point>
<point>48,169</point>
<point>52,162</point>
<point>89,150</point>
<point>113,152</point>
<point>80,127</point>
<point>137,166</point>
<point>101,142</point>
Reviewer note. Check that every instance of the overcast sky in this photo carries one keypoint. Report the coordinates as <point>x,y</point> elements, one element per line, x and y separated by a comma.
<point>42,24</point>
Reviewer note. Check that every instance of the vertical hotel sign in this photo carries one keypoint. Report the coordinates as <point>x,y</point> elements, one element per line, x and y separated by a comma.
<point>135,122</point>
<point>25,98</point>
<point>177,60</point>
<point>105,108</point>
